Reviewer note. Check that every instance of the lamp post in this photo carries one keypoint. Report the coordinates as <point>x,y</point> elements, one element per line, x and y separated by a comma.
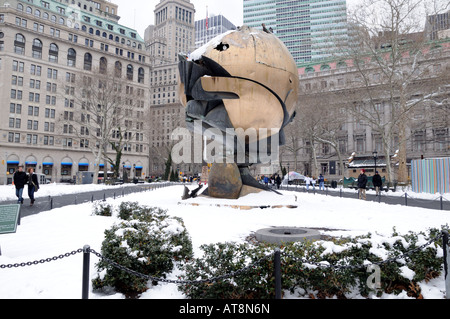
<point>375,156</point>
<point>288,173</point>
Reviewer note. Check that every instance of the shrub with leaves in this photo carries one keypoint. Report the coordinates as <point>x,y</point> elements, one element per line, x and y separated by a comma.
<point>149,242</point>
<point>321,269</point>
<point>102,209</point>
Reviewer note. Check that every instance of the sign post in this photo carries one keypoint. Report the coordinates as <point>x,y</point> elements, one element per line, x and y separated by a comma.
<point>9,219</point>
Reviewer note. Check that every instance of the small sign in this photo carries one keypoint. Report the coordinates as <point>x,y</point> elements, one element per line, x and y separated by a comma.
<point>9,217</point>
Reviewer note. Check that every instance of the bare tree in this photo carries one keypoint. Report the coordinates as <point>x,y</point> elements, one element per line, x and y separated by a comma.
<point>393,57</point>
<point>107,112</point>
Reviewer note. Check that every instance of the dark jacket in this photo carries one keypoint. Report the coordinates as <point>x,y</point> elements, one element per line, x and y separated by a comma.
<point>32,179</point>
<point>376,179</point>
<point>20,179</point>
<point>362,180</point>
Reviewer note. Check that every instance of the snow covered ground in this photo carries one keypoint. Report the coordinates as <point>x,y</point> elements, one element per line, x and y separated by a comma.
<point>66,229</point>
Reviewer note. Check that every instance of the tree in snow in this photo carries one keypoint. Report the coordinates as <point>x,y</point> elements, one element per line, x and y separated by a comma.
<point>396,63</point>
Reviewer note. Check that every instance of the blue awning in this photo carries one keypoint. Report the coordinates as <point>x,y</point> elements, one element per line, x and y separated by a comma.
<point>138,167</point>
<point>127,166</point>
<point>47,163</point>
<point>30,163</point>
<point>12,162</point>
<point>66,163</point>
<point>83,164</point>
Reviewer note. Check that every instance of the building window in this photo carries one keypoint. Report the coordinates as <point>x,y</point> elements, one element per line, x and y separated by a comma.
<point>103,65</point>
<point>71,57</point>
<point>19,44</point>
<point>141,75</point>
<point>88,62</point>
<point>53,53</point>
<point>130,72</point>
<point>37,49</point>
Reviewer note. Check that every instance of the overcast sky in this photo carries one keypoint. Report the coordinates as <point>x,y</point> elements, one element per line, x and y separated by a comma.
<point>138,14</point>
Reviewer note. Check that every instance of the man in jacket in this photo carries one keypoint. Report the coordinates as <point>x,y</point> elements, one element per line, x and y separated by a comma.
<point>362,181</point>
<point>20,179</point>
<point>377,183</point>
<point>33,185</point>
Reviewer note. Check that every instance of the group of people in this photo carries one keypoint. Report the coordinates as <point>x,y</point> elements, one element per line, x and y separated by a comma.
<point>362,182</point>
<point>312,181</point>
<point>21,179</point>
<point>274,179</point>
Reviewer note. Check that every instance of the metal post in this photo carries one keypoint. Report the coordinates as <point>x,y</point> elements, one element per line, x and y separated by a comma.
<point>86,259</point>
<point>277,271</point>
<point>442,206</point>
<point>51,203</point>
<point>446,249</point>
<point>406,199</point>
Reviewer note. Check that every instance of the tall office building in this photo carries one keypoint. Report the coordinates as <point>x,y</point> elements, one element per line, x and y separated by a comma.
<point>312,30</point>
<point>46,48</point>
<point>210,27</point>
<point>172,33</point>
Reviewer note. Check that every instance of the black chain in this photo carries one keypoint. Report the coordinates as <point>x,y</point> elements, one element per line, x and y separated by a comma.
<point>224,276</point>
<point>41,261</point>
<point>184,282</point>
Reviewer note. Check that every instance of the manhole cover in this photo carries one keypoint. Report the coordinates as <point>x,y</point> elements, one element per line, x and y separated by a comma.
<point>278,235</point>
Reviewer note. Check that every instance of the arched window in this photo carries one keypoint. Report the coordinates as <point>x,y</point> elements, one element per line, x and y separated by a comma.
<point>118,69</point>
<point>19,44</point>
<point>29,10</point>
<point>88,62</point>
<point>103,65</point>
<point>53,18</point>
<point>111,37</point>
<point>20,7</point>
<point>45,15</point>
<point>61,20</point>
<point>83,28</point>
<point>37,49</point>
<point>71,57</point>
<point>97,32</point>
<point>53,53</point>
<point>104,34</point>
<point>130,72</point>
<point>37,13</point>
<point>91,30</point>
<point>141,75</point>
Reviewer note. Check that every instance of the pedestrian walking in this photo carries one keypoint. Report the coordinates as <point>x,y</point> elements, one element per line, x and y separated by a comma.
<point>377,183</point>
<point>307,182</point>
<point>321,182</point>
<point>362,182</point>
<point>19,179</point>
<point>278,181</point>
<point>33,185</point>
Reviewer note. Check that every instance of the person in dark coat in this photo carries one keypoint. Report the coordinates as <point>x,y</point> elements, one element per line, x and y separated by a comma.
<point>377,183</point>
<point>19,179</point>
<point>278,181</point>
<point>362,182</point>
<point>33,185</point>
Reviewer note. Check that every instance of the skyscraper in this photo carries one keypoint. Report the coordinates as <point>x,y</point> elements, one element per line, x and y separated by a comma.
<point>310,29</point>
<point>210,27</point>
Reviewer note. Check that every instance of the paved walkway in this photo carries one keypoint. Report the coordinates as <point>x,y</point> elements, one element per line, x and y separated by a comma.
<point>47,203</point>
<point>439,203</point>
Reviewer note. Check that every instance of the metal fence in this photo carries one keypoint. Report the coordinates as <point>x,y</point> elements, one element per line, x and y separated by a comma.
<point>439,201</point>
<point>275,256</point>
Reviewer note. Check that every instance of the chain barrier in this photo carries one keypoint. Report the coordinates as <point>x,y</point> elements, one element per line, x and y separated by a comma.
<point>224,276</point>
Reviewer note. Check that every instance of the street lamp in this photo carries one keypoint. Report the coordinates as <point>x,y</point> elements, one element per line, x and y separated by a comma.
<point>288,174</point>
<point>375,156</point>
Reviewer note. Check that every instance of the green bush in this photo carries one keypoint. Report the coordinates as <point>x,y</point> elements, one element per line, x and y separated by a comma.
<point>102,209</point>
<point>147,241</point>
<point>301,271</point>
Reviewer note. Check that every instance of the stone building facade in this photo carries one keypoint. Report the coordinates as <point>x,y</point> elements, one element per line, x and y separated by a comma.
<point>44,47</point>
